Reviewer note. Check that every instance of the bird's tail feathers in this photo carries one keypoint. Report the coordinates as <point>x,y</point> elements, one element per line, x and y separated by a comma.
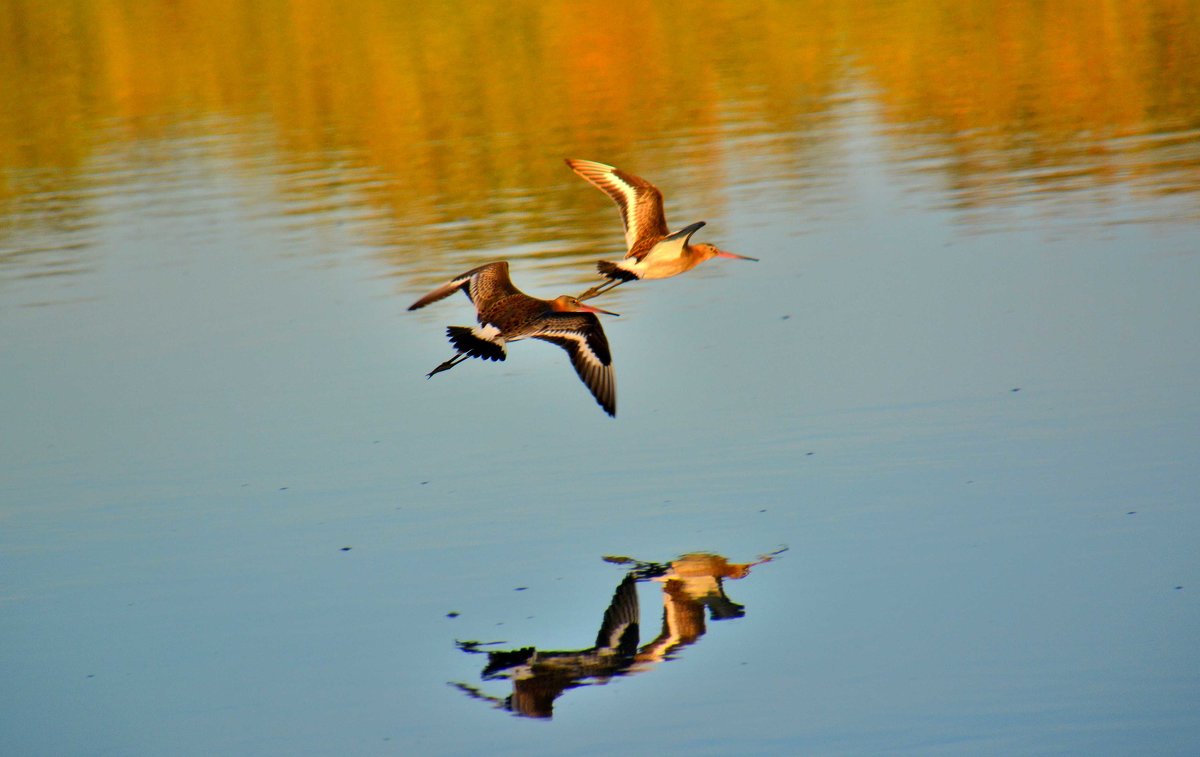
<point>615,271</point>
<point>466,341</point>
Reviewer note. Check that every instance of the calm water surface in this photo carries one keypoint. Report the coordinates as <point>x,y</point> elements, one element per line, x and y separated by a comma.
<point>954,404</point>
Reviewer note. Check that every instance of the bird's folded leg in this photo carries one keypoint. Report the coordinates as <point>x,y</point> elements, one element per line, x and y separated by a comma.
<point>458,358</point>
<point>600,289</point>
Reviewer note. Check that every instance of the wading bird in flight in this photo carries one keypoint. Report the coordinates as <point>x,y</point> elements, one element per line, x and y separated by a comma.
<point>654,252</point>
<point>507,314</point>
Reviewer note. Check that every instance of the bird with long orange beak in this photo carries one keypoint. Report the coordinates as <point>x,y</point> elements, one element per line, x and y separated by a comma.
<point>653,251</point>
<point>506,314</point>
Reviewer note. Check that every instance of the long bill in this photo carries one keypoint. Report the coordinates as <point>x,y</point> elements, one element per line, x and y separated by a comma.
<point>593,309</point>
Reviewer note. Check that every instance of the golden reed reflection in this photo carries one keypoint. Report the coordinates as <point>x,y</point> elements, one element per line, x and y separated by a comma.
<point>450,119</point>
<point>692,585</point>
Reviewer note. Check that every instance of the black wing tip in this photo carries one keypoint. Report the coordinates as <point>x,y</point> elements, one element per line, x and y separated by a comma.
<point>604,392</point>
<point>619,627</point>
<point>608,405</point>
<point>688,230</point>
<point>606,396</point>
<point>602,384</point>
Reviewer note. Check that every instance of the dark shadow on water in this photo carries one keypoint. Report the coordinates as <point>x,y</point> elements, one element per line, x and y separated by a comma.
<point>692,585</point>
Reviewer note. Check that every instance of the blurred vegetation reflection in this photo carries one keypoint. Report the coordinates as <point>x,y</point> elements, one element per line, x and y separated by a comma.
<point>443,125</point>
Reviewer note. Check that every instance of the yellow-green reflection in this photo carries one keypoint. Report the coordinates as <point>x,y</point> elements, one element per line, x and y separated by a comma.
<point>443,115</point>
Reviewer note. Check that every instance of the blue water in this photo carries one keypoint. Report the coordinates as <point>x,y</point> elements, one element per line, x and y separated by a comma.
<point>235,517</point>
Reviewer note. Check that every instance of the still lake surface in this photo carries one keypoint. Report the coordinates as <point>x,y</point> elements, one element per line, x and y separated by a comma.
<point>955,403</point>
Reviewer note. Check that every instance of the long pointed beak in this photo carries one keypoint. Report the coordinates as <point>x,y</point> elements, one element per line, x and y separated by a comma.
<point>735,256</point>
<point>593,309</point>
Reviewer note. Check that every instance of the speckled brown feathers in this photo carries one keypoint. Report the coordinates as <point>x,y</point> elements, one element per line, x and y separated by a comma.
<point>506,314</point>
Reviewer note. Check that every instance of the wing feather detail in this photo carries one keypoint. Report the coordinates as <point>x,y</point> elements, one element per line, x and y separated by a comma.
<point>479,284</point>
<point>619,629</point>
<point>581,335</point>
<point>640,202</point>
<point>442,292</point>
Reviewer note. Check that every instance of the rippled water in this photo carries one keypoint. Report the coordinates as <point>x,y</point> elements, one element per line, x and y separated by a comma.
<point>954,403</point>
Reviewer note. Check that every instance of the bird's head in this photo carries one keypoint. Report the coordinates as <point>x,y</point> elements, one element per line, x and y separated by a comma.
<point>568,304</point>
<point>706,251</point>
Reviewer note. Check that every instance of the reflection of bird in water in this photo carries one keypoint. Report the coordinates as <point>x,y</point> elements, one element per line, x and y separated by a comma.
<point>691,583</point>
<point>653,251</point>
<point>538,678</point>
<point>507,314</point>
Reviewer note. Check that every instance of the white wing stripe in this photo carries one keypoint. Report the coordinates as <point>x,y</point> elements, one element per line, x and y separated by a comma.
<point>622,192</point>
<point>580,341</point>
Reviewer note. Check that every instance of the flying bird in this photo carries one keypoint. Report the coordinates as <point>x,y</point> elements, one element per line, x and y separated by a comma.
<point>654,252</point>
<point>506,314</point>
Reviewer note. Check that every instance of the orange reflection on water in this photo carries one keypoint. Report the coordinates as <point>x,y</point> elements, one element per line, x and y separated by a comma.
<point>447,121</point>
<point>1024,97</point>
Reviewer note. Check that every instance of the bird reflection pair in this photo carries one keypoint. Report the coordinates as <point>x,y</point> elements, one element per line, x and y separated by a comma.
<point>506,314</point>
<point>691,584</point>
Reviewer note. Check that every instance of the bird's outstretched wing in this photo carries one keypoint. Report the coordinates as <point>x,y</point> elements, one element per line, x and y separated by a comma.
<point>619,629</point>
<point>581,335</point>
<point>640,203</point>
<point>480,284</point>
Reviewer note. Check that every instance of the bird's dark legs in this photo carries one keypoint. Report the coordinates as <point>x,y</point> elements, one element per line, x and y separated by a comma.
<point>458,358</point>
<point>475,693</point>
<point>600,289</point>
